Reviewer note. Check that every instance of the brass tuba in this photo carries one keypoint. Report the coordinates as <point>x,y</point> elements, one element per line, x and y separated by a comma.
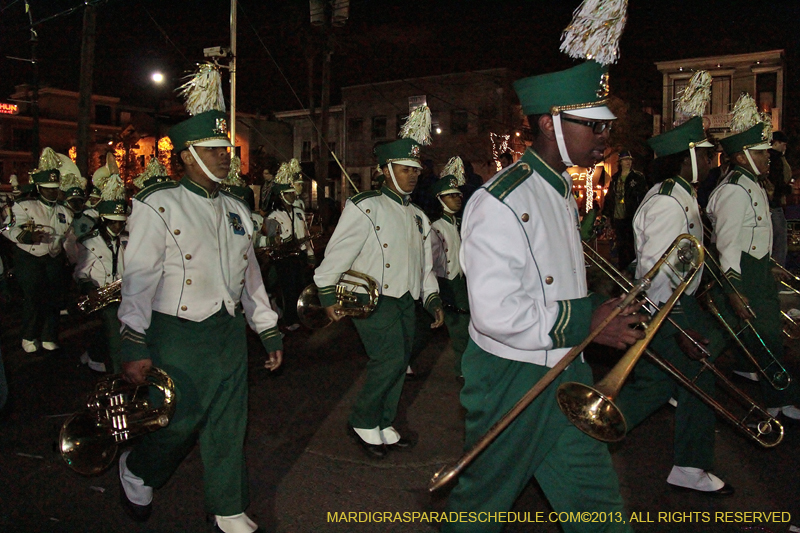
<point>313,315</point>
<point>115,412</point>
<point>100,297</point>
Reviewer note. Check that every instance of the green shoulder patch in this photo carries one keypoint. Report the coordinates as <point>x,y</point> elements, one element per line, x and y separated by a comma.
<point>364,195</point>
<point>666,186</point>
<point>513,178</point>
<point>734,178</point>
<point>147,191</point>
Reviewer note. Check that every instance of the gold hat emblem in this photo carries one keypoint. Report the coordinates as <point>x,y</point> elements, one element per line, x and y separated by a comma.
<point>603,91</point>
<point>415,150</point>
<point>221,127</point>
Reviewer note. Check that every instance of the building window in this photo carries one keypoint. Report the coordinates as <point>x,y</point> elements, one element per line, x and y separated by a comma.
<point>305,154</point>
<point>102,115</point>
<point>21,140</point>
<point>720,95</point>
<point>459,121</point>
<point>379,127</point>
<point>355,129</point>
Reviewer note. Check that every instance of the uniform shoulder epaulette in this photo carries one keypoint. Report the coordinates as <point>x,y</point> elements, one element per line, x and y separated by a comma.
<point>734,178</point>
<point>88,235</point>
<point>666,186</point>
<point>155,187</point>
<point>26,199</point>
<point>364,195</point>
<point>510,180</point>
<point>231,195</point>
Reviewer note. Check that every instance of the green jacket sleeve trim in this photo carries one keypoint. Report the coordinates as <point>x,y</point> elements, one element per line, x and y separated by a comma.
<point>736,280</point>
<point>327,295</point>
<point>133,346</point>
<point>572,323</point>
<point>271,339</point>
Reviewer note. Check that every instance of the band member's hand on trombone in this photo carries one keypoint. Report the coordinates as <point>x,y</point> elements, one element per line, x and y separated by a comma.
<point>691,347</point>
<point>621,331</point>
<point>741,306</point>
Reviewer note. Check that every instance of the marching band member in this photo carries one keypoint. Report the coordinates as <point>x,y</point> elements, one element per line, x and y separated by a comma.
<point>739,210</point>
<point>669,209</point>
<point>74,187</point>
<point>101,262</point>
<point>383,235</point>
<point>191,285</point>
<point>290,222</point>
<point>445,245</point>
<point>39,231</point>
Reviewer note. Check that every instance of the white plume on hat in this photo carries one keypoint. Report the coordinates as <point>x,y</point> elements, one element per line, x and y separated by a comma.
<point>153,168</point>
<point>114,189</point>
<point>70,175</point>
<point>203,91</point>
<point>418,126</point>
<point>694,98</point>
<point>102,174</point>
<point>234,178</point>
<point>454,167</point>
<point>745,115</point>
<point>288,172</point>
<point>48,160</point>
<point>595,31</point>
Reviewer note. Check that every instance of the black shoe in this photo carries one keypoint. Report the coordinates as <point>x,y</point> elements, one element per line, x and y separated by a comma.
<point>136,512</point>
<point>725,491</point>
<point>402,444</point>
<point>375,451</point>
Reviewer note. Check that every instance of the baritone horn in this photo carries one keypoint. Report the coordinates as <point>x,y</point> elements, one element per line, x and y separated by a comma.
<point>757,424</point>
<point>115,412</point>
<point>100,297</point>
<point>692,255</point>
<point>314,316</point>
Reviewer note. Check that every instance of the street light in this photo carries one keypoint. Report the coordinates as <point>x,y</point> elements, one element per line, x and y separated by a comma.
<point>157,77</point>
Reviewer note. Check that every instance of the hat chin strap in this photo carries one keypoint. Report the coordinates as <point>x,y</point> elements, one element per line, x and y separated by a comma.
<point>752,163</point>
<point>562,146</point>
<point>394,181</point>
<point>693,156</point>
<point>203,166</point>
<point>444,206</point>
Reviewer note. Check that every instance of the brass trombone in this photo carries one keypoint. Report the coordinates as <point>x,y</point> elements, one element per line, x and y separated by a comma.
<point>791,326</point>
<point>773,371</point>
<point>313,315</point>
<point>767,433</point>
<point>692,255</point>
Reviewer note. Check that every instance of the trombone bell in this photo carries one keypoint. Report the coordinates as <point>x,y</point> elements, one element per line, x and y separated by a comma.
<point>592,412</point>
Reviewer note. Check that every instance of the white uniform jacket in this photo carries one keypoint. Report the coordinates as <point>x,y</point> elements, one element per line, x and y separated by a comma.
<point>189,253</point>
<point>286,221</point>
<point>55,220</point>
<point>82,223</point>
<point>668,209</point>
<point>445,245</point>
<point>383,235</point>
<point>96,259</point>
<point>739,210</point>
<point>522,256</point>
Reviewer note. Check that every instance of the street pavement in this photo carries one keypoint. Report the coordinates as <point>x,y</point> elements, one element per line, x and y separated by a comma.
<point>304,470</point>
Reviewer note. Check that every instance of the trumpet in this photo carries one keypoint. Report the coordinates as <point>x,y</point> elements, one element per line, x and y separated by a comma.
<point>765,430</point>
<point>773,371</point>
<point>285,250</point>
<point>691,255</point>
<point>314,316</point>
<point>116,411</point>
<point>100,297</point>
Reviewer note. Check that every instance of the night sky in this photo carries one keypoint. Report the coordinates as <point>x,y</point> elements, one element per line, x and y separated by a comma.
<point>382,40</point>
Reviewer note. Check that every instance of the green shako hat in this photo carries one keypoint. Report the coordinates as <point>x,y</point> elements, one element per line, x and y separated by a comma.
<point>415,133</point>
<point>452,177</point>
<point>47,173</point>
<point>287,175</point>
<point>752,130</point>
<point>154,173</point>
<point>72,183</point>
<point>204,101</point>
<point>112,203</point>
<point>688,135</point>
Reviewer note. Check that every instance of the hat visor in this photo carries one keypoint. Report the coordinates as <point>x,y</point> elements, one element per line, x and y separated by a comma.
<point>761,146</point>
<point>449,191</point>
<point>597,113</point>
<point>705,144</point>
<point>408,163</point>
<point>215,143</point>
<point>115,217</point>
<point>48,185</point>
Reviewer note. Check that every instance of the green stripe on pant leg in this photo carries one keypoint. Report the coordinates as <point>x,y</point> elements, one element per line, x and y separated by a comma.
<point>387,335</point>
<point>208,362</point>
<point>498,475</point>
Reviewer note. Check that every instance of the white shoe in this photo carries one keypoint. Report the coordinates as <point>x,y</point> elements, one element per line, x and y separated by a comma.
<point>697,479</point>
<point>789,411</point>
<point>97,367</point>
<point>293,327</point>
<point>30,346</point>
<point>85,358</point>
<point>50,346</point>
<point>752,376</point>
<point>64,312</point>
<point>793,313</point>
<point>135,490</point>
<point>238,523</point>
<point>673,402</point>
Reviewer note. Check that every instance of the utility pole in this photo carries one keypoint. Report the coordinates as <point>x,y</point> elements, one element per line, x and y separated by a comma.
<point>35,90</point>
<point>232,68</point>
<point>85,98</point>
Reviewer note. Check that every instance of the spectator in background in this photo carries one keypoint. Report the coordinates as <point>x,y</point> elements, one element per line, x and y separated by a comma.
<point>625,193</point>
<point>422,193</point>
<point>473,181</point>
<point>506,159</point>
<point>266,189</point>
<point>715,175</point>
<point>778,186</point>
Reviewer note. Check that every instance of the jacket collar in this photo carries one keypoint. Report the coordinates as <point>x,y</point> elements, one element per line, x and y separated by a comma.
<point>556,180</point>
<point>389,193</point>
<point>450,218</point>
<point>746,173</point>
<point>686,185</point>
<point>197,188</point>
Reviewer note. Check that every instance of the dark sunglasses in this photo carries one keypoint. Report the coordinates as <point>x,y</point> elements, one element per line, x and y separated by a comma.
<point>598,126</point>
